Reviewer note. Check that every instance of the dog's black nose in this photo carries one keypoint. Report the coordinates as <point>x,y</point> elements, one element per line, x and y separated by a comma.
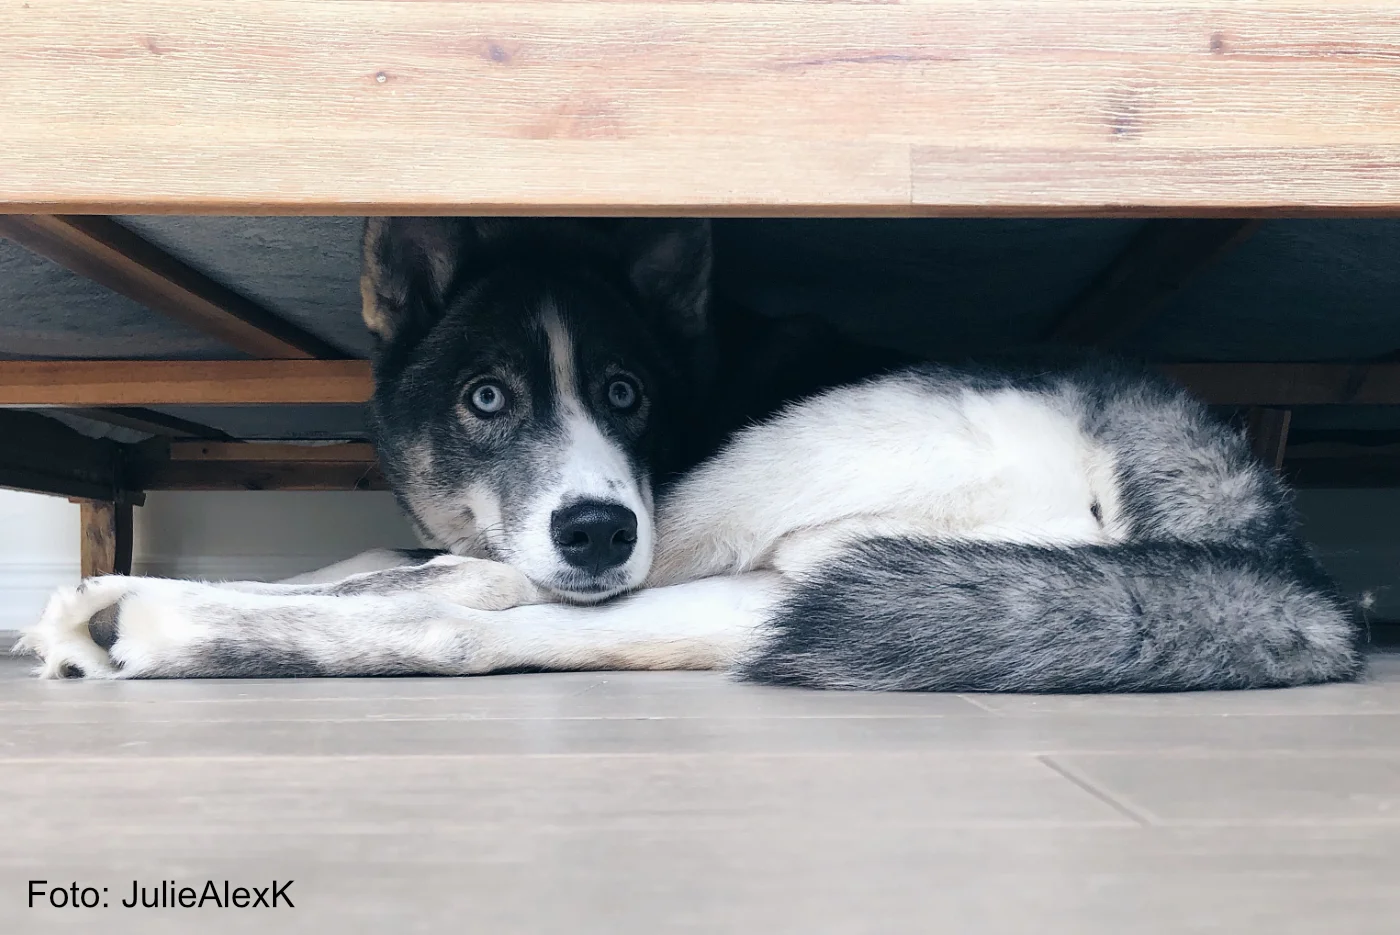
<point>594,535</point>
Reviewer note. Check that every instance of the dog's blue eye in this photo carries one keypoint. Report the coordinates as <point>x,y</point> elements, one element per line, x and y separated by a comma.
<point>488,399</point>
<point>622,394</point>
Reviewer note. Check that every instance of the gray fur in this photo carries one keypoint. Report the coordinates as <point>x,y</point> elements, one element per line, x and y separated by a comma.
<point>907,615</point>
<point>389,580</point>
<point>1214,588</point>
<point>306,642</point>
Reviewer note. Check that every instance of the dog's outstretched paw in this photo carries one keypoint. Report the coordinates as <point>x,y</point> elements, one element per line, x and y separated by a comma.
<point>76,629</point>
<point>479,584</point>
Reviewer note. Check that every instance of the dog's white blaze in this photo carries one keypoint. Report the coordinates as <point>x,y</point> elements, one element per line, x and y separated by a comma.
<point>590,467</point>
<point>561,358</point>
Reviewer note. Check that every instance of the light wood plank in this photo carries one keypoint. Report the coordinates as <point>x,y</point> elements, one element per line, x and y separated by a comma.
<point>928,107</point>
<point>1139,181</point>
<point>690,802</point>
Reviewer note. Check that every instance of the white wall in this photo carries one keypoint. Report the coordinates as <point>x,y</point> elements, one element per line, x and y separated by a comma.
<point>38,552</point>
<point>277,534</point>
<point>261,536</point>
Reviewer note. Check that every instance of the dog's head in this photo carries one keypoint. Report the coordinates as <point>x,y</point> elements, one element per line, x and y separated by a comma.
<point>528,377</point>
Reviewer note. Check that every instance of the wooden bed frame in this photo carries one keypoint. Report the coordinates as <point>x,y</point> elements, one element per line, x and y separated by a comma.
<point>1201,114</point>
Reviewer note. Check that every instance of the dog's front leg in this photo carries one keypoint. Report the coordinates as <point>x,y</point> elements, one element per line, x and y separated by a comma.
<point>116,627</point>
<point>477,583</point>
<point>119,627</point>
<point>713,623</point>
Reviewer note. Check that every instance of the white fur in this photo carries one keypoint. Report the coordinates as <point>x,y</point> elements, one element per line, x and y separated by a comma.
<point>591,467</point>
<point>701,625</point>
<point>478,583</point>
<point>892,456</point>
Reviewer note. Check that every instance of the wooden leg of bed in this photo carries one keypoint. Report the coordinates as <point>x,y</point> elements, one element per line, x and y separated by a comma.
<point>106,538</point>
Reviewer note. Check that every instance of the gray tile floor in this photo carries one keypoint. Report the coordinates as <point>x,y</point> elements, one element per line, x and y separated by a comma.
<point>641,802</point>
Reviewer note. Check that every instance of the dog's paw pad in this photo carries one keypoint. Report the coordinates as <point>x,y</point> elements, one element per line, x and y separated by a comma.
<point>76,629</point>
<point>102,626</point>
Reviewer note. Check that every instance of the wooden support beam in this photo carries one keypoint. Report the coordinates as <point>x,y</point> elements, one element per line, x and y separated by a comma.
<point>259,466</point>
<point>352,466</point>
<point>71,384</point>
<point>1156,265</point>
<point>107,253</point>
<point>262,475</point>
<point>102,383</point>
<point>44,456</point>
<point>338,453</point>
<point>106,538</point>
<point>151,422</point>
<point>1268,433</point>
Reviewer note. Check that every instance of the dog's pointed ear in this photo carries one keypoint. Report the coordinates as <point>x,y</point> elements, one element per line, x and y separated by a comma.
<point>669,262</point>
<point>409,267</point>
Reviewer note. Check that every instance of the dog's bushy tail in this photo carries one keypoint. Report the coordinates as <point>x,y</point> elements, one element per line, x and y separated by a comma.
<point>911,615</point>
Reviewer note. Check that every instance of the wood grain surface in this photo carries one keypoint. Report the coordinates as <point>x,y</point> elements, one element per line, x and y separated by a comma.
<point>77,383</point>
<point>920,107</point>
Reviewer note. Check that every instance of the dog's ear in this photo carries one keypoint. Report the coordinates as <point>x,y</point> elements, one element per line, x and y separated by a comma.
<point>669,262</point>
<point>409,266</point>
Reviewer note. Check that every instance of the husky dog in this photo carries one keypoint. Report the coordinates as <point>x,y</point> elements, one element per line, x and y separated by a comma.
<point>627,474</point>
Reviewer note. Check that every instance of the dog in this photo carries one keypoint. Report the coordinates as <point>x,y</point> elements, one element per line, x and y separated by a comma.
<point>624,472</point>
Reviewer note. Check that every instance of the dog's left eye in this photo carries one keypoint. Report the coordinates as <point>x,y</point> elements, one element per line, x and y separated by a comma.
<point>487,399</point>
<point>623,394</point>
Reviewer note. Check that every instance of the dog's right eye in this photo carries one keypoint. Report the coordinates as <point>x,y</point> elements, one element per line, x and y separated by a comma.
<point>487,399</point>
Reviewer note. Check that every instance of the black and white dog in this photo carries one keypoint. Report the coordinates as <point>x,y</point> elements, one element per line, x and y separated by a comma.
<point>627,475</point>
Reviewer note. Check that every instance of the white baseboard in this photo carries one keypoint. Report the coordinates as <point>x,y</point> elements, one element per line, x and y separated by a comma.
<point>232,567</point>
<point>26,586</point>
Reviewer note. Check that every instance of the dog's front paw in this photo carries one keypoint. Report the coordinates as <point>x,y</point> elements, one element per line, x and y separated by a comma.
<point>76,630</point>
<point>479,584</point>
